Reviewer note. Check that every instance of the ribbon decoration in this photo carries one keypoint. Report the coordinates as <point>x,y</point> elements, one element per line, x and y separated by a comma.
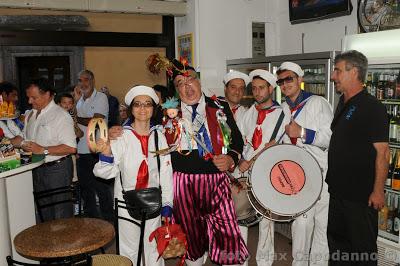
<point>95,123</point>
<point>225,129</point>
<point>171,241</point>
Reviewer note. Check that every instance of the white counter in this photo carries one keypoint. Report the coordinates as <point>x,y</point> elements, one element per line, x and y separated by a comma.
<point>17,208</point>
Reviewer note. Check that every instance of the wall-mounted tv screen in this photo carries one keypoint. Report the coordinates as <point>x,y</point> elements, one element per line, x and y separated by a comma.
<point>301,11</point>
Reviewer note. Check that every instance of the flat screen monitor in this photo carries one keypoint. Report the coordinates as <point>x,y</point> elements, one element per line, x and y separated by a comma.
<point>301,11</point>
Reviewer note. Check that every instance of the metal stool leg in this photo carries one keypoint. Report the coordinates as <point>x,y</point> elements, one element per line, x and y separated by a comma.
<point>142,225</point>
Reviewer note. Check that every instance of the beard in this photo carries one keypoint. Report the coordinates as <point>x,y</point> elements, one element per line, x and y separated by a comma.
<point>265,99</point>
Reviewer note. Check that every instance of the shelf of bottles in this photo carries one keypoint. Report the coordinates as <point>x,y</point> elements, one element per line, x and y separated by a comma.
<point>383,82</point>
<point>315,79</point>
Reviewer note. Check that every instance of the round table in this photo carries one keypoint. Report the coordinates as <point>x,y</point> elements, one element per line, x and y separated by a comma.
<point>64,238</point>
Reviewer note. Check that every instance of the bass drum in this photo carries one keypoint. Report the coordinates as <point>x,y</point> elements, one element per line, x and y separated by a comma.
<point>246,214</point>
<point>285,181</point>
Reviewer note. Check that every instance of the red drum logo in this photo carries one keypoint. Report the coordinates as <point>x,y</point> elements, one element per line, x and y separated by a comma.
<point>287,177</point>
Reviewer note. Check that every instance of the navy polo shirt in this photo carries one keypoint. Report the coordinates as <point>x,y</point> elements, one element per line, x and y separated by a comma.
<point>357,124</point>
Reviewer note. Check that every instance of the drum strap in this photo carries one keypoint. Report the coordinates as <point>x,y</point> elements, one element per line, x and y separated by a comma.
<point>277,126</point>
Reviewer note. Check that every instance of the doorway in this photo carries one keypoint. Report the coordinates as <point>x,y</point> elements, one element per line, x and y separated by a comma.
<point>54,68</point>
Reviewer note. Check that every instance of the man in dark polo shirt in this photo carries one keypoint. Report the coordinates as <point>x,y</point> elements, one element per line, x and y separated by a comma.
<point>358,162</point>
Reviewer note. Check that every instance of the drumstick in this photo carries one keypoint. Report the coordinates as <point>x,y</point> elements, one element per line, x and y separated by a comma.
<point>233,180</point>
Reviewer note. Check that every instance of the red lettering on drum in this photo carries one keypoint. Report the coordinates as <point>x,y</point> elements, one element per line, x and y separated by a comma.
<point>287,177</point>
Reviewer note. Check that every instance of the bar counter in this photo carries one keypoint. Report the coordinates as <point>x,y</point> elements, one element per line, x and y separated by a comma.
<point>17,208</point>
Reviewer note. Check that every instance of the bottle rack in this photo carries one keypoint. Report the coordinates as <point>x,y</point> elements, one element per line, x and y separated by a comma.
<point>382,83</point>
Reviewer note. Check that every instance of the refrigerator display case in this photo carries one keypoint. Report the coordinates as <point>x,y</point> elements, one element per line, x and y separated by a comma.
<point>246,66</point>
<point>383,82</point>
<point>317,72</point>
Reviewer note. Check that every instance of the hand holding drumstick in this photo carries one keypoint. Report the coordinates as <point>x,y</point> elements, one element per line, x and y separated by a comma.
<point>245,165</point>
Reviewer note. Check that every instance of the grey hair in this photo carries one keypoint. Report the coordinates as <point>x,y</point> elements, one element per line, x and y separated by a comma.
<point>86,73</point>
<point>355,59</point>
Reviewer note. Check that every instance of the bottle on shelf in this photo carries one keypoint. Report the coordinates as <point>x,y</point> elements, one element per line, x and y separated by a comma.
<point>393,125</point>
<point>397,91</point>
<point>383,215</point>
<point>368,84</point>
<point>390,88</point>
<point>392,158</point>
<point>374,83</point>
<point>391,213</point>
<point>380,92</point>
<point>396,224</point>
<point>396,173</point>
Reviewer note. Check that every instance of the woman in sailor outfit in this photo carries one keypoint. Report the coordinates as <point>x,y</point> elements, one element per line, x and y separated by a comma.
<point>131,155</point>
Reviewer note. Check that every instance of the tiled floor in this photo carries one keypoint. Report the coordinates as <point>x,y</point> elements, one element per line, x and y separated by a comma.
<point>283,250</point>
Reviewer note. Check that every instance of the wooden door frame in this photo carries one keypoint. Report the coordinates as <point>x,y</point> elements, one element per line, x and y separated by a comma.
<point>10,54</point>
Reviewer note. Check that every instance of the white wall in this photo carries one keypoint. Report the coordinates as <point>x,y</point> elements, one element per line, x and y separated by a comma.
<point>222,31</point>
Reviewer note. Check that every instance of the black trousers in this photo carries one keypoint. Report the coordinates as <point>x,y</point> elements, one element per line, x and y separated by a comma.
<point>91,186</point>
<point>352,233</point>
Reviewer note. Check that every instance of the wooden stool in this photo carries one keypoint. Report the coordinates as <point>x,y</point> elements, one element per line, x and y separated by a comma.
<point>110,260</point>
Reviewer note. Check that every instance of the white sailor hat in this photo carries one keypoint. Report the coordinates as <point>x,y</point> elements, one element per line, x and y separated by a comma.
<point>140,90</point>
<point>264,74</point>
<point>292,67</point>
<point>233,74</point>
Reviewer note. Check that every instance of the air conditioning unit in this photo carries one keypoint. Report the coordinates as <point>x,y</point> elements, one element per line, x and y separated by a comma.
<point>388,255</point>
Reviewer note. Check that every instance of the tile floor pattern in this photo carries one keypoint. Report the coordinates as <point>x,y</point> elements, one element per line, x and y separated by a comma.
<point>282,246</point>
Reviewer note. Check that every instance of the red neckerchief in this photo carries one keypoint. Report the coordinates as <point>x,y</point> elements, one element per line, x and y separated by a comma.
<point>142,178</point>
<point>294,140</point>
<point>257,135</point>
<point>235,108</point>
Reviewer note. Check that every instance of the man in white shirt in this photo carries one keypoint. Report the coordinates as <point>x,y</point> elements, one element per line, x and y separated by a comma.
<point>311,117</point>
<point>235,85</point>
<point>49,130</point>
<point>91,103</point>
<point>257,126</point>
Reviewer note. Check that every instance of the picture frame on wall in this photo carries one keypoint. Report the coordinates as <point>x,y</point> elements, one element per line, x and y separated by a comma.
<point>186,47</point>
<point>378,15</point>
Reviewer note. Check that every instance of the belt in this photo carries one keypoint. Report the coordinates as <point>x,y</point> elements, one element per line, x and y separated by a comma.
<point>57,161</point>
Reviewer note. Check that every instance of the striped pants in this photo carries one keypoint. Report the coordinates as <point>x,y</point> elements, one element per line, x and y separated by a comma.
<point>203,206</point>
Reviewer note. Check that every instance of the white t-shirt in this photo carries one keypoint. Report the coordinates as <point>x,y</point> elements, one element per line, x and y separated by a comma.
<point>97,103</point>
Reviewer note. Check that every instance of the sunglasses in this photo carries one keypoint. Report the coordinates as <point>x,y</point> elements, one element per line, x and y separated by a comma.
<point>288,79</point>
<point>144,104</point>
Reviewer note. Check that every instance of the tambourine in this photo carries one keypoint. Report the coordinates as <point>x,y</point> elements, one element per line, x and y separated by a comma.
<point>95,123</point>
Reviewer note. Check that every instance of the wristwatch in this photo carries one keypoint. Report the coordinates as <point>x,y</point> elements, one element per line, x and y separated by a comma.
<point>46,152</point>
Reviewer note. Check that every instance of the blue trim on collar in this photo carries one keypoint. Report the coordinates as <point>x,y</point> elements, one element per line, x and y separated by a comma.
<point>127,122</point>
<point>105,158</point>
<point>302,96</point>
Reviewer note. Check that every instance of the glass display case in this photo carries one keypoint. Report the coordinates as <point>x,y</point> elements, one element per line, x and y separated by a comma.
<point>246,66</point>
<point>317,71</point>
<point>383,82</point>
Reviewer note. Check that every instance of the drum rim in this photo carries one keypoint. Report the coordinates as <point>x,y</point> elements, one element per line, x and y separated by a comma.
<point>253,212</point>
<point>290,216</point>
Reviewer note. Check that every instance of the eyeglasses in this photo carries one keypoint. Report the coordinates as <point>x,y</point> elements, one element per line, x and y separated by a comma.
<point>144,104</point>
<point>288,79</point>
<point>186,80</point>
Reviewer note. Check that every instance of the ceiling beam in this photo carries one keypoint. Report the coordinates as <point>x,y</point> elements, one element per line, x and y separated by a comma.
<point>169,8</point>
